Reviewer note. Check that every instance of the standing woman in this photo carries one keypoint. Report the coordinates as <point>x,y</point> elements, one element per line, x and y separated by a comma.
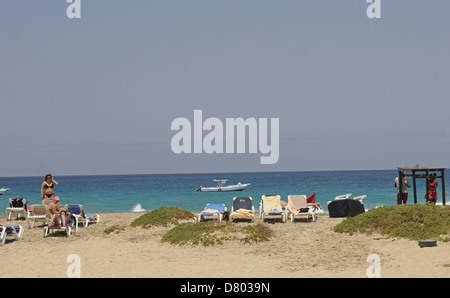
<point>432,193</point>
<point>47,189</point>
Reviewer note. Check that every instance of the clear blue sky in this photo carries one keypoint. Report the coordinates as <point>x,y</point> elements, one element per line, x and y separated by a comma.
<point>97,95</point>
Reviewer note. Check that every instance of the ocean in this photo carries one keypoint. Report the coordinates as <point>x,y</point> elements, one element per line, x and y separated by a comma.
<point>123,193</point>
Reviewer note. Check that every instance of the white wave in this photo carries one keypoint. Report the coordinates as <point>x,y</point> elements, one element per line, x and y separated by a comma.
<point>440,203</point>
<point>138,208</point>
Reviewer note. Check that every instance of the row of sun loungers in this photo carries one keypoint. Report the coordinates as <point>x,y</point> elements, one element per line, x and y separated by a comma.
<point>40,213</point>
<point>270,206</point>
<point>242,209</point>
<point>297,207</point>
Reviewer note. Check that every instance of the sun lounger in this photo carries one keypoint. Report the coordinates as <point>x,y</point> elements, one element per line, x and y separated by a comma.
<point>271,205</point>
<point>78,214</point>
<point>212,210</point>
<point>360,198</point>
<point>38,213</point>
<point>68,228</point>
<point>17,206</point>
<point>298,206</point>
<point>242,208</point>
<point>10,231</point>
<point>343,197</point>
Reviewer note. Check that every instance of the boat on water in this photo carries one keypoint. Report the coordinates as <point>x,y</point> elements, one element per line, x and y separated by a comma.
<point>221,186</point>
<point>3,190</point>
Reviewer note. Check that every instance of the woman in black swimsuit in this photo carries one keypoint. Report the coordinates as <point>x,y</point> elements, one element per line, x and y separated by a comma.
<point>47,187</point>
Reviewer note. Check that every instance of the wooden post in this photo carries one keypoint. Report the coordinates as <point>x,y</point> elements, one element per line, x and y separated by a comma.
<point>443,187</point>
<point>414,186</point>
<point>400,180</point>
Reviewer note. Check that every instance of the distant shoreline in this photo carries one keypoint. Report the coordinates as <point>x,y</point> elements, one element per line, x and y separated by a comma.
<point>201,173</point>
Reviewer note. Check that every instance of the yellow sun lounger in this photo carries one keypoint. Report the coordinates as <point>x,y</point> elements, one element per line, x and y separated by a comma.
<point>271,205</point>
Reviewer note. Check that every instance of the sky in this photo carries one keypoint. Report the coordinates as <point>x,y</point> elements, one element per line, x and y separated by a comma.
<point>98,94</point>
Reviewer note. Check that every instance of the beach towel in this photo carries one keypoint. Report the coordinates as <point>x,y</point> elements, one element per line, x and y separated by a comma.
<point>241,213</point>
<point>210,212</point>
<point>297,203</point>
<point>272,204</point>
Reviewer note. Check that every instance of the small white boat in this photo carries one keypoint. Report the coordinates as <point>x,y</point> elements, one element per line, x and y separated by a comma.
<point>220,186</point>
<point>2,190</point>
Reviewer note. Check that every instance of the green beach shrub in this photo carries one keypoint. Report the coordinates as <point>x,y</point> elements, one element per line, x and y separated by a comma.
<point>114,229</point>
<point>162,217</point>
<point>415,222</point>
<point>213,233</point>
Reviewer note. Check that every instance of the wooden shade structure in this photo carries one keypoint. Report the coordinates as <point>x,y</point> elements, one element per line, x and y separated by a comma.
<point>421,172</point>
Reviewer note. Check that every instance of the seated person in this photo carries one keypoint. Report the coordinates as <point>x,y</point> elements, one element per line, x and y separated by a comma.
<point>58,213</point>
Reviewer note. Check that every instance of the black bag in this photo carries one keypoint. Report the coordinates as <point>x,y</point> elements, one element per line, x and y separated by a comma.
<point>344,208</point>
<point>18,203</point>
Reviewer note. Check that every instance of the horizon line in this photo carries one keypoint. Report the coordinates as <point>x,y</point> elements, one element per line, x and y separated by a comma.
<point>202,173</point>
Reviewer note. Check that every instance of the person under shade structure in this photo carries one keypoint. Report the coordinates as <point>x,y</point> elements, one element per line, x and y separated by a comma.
<point>432,186</point>
<point>402,197</point>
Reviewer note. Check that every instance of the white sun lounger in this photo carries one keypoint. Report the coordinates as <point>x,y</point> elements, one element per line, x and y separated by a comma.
<point>10,231</point>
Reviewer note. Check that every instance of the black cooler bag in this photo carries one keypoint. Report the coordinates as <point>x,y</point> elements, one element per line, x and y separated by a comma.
<point>345,208</point>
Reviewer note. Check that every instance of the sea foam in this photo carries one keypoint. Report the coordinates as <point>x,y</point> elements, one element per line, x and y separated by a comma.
<point>138,208</point>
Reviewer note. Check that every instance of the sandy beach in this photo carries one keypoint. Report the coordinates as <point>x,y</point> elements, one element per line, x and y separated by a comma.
<point>299,249</point>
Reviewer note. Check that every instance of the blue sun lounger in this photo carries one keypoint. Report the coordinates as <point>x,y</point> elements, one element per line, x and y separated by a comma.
<point>212,210</point>
<point>79,215</point>
<point>10,231</point>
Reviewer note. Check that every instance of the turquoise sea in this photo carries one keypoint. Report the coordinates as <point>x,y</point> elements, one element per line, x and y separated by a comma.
<point>117,193</point>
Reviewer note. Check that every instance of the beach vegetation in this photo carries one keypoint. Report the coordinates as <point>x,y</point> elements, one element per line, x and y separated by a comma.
<point>213,233</point>
<point>114,229</point>
<point>415,222</point>
<point>163,217</point>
